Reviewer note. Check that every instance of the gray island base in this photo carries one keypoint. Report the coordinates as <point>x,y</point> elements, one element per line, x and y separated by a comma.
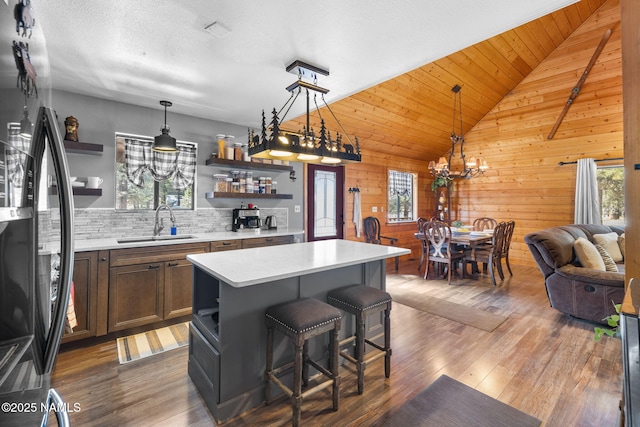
<point>232,290</point>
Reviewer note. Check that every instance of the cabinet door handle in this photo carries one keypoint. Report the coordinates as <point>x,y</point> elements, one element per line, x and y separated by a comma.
<point>154,267</point>
<point>172,264</point>
<point>269,239</point>
<point>103,259</point>
<point>226,243</point>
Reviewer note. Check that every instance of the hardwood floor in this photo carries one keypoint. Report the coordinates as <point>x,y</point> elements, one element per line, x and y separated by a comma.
<point>539,361</point>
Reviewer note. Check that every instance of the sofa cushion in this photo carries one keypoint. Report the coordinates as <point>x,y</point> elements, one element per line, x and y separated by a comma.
<point>609,241</point>
<point>588,255</point>
<point>621,244</point>
<point>609,263</point>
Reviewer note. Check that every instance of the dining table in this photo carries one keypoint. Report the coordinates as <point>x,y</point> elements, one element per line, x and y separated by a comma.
<point>472,240</point>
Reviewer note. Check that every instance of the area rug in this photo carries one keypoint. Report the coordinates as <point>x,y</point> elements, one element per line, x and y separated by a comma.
<point>449,403</point>
<point>139,346</point>
<point>470,316</point>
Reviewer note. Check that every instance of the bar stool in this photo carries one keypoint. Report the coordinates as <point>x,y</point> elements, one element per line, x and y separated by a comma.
<point>301,320</point>
<point>362,301</point>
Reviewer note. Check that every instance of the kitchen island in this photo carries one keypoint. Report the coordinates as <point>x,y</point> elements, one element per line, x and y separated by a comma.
<point>232,290</point>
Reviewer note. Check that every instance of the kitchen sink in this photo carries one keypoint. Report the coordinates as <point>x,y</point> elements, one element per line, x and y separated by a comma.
<point>154,238</point>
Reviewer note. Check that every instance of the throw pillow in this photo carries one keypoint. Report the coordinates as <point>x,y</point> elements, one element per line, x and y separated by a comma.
<point>609,241</point>
<point>588,255</point>
<point>609,263</point>
<point>621,243</point>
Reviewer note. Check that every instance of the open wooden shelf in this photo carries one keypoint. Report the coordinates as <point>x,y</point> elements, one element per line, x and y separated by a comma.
<point>83,147</point>
<point>220,195</point>
<point>79,191</point>
<point>247,165</point>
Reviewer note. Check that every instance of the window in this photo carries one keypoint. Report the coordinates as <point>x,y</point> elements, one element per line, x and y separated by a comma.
<point>611,189</point>
<point>403,199</point>
<point>146,179</point>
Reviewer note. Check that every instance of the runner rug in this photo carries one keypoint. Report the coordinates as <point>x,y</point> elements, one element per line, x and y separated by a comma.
<point>470,316</point>
<point>139,346</point>
<point>449,403</point>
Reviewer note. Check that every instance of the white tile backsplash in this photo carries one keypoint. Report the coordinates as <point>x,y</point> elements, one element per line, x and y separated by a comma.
<point>108,223</point>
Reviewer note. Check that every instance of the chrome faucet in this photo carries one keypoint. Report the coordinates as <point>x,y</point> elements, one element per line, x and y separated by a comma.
<point>159,224</point>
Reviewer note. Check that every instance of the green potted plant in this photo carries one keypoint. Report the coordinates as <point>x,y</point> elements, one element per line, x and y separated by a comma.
<point>441,181</point>
<point>614,325</point>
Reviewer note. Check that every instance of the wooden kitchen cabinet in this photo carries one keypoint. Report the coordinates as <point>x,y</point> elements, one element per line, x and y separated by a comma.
<point>178,276</point>
<point>147,285</point>
<point>90,282</point>
<point>225,245</point>
<point>85,285</point>
<point>266,241</point>
<point>136,295</point>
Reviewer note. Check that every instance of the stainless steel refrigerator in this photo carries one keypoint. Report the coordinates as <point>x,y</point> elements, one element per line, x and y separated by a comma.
<point>36,261</point>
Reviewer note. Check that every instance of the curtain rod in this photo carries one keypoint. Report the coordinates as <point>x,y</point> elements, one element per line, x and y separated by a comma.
<point>597,160</point>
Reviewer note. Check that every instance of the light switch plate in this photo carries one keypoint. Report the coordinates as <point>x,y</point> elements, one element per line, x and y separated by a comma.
<point>374,209</point>
<point>296,208</point>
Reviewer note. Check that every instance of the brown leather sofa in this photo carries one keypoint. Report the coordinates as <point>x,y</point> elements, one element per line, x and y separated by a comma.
<point>572,289</point>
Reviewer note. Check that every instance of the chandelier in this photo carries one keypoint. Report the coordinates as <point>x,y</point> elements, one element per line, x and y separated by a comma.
<point>470,168</point>
<point>303,145</point>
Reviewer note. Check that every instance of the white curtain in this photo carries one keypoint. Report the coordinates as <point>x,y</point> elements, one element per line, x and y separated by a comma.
<point>587,210</point>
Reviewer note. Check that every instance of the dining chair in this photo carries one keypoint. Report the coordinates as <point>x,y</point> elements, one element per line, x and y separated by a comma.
<point>489,255</point>
<point>438,235</point>
<point>504,249</point>
<point>485,223</point>
<point>420,222</point>
<point>371,226</point>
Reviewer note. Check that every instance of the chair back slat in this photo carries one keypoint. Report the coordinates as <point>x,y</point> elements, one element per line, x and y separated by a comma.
<point>371,226</point>
<point>485,223</point>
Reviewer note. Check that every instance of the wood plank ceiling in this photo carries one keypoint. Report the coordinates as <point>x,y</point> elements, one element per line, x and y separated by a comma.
<point>411,115</point>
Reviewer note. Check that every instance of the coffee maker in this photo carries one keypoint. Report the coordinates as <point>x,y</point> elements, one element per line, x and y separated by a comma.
<point>245,219</point>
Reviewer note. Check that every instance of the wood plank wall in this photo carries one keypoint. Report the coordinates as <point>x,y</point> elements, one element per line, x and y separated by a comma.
<point>631,84</point>
<point>525,182</point>
<point>371,178</point>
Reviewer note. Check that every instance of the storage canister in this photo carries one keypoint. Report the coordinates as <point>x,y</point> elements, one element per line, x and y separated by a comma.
<point>220,183</point>
<point>220,146</point>
<point>237,151</point>
<point>261,185</point>
<point>267,185</point>
<point>274,185</point>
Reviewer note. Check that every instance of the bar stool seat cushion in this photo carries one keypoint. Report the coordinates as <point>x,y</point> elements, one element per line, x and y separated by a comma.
<point>358,298</point>
<point>302,315</point>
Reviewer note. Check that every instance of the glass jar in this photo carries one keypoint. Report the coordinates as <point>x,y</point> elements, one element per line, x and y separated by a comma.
<point>220,183</point>
<point>267,185</point>
<point>235,187</point>
<point>274,187</point>
<point>262,185</point>
<point>249,182</point>
<point>229,144</point>
<point>228,180</point>
<point>237,151</point>
<point>243,182</point>
<point>221,142</point>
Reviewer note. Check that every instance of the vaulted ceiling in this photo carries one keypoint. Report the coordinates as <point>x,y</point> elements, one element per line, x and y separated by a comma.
<point>412,114</point>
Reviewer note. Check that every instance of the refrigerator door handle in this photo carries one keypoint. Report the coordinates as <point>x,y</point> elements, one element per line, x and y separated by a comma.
<point>56,148</point>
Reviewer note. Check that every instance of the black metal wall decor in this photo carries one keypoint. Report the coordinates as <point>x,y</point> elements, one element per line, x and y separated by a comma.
<point>303,145</point>
<point>23,13</point>
<point>26,72</point>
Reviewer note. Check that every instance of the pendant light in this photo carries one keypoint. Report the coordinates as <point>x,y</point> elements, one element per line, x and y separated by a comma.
<point>165,142</point>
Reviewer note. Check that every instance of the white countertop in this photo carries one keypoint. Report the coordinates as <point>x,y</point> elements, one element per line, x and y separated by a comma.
<point>112,242</point>
<point>246,267</point>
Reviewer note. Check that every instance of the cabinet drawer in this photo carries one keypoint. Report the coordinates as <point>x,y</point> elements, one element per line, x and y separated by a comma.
<point>142,255</point>
<point>225,245</point>
<point>206,358</point>
<point>266,241</point>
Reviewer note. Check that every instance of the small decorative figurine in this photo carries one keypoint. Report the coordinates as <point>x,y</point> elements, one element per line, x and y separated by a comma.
<point>71,124</point>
